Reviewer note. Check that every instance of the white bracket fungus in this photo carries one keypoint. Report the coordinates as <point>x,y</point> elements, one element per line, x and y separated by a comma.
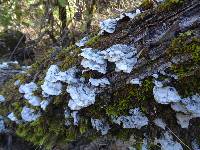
<point>136,81</point>
<point>33,100</point>
<point>93,60</point>
<point>145,144</point>
<point>124,57</point>
<point>136,119</point>
<point>82,42</point>
<point>81,96</point>
<point>183,119</point>
<point>28,90</point>
<point>52,88</point>
<point>52,73</point>
<point>68,76</point>
<point>108,25</point>
<point>52,84</point>
<point>2,125</point>
<point>167,142</point>
<point>12,117</point>
<point>17,83</point>
<point>131,15</point>
<point>67,115</point>
<point>100,125</point>
<point>192,104</point>
<point>44,104</point>
<point>160,1</point>
<point>29,114</point>
<point>165,95</point>
<point>5,65</point>
<point>99,82</point>
<point>188,21</point>
<point>195,145</point>
<point>160,123</point>
<point>190,107</point>
<point>75,115</point>
<point>2,98</point>
<point>155,75</point>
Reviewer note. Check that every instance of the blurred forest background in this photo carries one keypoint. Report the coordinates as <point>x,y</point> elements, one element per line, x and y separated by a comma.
<point>46,23</point>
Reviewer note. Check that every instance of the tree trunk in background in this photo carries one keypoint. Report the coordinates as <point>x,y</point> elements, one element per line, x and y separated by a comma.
<point>64,31</point>
<point>62,17</point>
<point>49,16</point>
<point>90,6</point>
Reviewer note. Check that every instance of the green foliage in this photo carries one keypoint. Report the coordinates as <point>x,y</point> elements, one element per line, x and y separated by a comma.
<point>170,4</point>
<point>16,13</point>
<point>62,2</point>
<point>146,4</point>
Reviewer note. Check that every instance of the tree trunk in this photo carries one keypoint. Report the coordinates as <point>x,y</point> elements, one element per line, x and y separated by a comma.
<point>90,6</point>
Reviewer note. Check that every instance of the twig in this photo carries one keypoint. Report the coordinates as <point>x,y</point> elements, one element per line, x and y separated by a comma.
<point>179,138</point>
<point>16,46</point>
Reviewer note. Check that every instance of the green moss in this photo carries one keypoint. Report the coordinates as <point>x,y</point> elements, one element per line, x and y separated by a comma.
<point>185,43</point>
<point>89,74</point>
<point>84,125</point>
<point>47,131</point>
<point>188,85</point>
<point>118,108</point>
<point>93,41</point>
<point>187,72</point>
<point>169,5</point>
<point>146,4</point>
<point>124,134</point>
<point>21,77</point>
<point>130,97</point>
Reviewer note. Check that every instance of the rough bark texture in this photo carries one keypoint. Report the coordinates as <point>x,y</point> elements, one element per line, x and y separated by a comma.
<point>7,73</point>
